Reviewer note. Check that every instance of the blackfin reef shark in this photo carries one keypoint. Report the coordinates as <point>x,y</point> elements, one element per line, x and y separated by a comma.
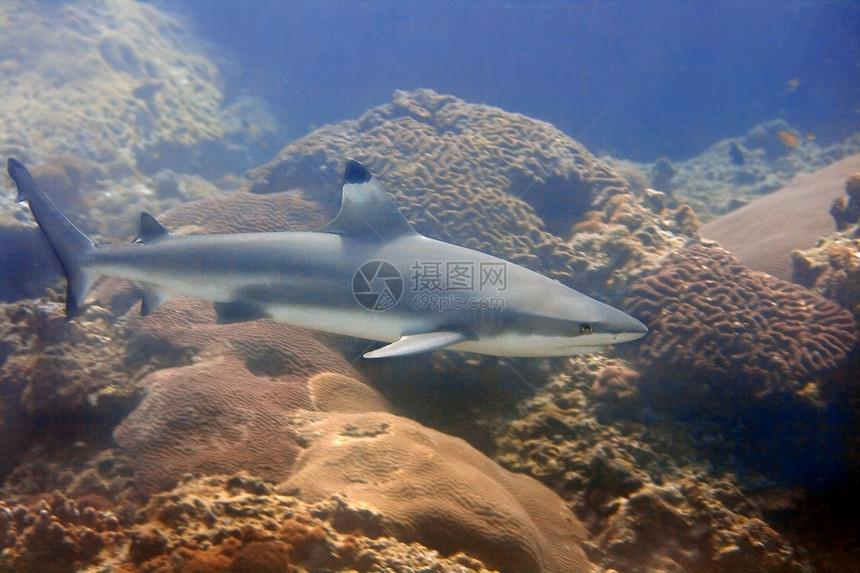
<point>366,274</point>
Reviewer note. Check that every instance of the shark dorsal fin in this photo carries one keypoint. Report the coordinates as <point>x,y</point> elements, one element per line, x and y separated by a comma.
<point>366,210</point>
<point>150,230</point>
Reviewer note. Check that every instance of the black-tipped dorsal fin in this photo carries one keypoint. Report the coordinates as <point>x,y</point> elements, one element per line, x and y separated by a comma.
<point>366,210</point>
<point>150,230</point>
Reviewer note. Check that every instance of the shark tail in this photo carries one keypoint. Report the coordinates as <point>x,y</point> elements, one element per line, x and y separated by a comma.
<point>69,244</point>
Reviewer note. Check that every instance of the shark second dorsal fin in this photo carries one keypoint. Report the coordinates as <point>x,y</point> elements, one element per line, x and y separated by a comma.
<point>366,210</point>
<point>150,230</point>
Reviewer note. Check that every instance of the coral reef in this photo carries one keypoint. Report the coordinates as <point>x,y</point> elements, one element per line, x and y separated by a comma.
<point>222,399</point>
<point>435,489</point>
<point>210,418</point>
<point>763,233</point>
<point>496,182</point>
<point>58,378</point>
<point>362,489</point>
<point>763,360</point>
<point>247,213</point>
<point>330,392</point>
<point>55,535</point>
<point>639,483</point>
<point>216,524</point>
<point>108,80</point>
<point>832,267</point>
<point>101,100</point>
<point>716,323</point>
<point>847,214</point>
<point>219,402</point>
<point>736,171</point>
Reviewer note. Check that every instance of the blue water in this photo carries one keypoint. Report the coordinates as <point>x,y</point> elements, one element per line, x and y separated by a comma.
<point>636,79</point>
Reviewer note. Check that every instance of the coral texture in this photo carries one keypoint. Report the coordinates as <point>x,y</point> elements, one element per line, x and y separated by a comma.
<point>493,181</point>
<point>332,392</point>
<point>54,536</point>
<point>764,362</point>
<point>213,417</point>
<point>216,524</point>
<point>436,490</point>
<point>222,403</point>
<point>714,322</point>
<point>650,498</point>
<point>832,267</point>
<point>737,171</point>
<point>63,378</point>
<point>108,80</point>
<point>247,213</point>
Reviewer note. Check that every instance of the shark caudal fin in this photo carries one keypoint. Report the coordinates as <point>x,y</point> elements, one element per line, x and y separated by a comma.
<point>69,244</point>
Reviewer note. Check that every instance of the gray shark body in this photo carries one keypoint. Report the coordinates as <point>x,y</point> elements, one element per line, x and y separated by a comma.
<point>366,274</point>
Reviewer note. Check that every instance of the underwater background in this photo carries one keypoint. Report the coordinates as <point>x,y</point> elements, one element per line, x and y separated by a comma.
<point>639,80</point>
<point>695,164</point>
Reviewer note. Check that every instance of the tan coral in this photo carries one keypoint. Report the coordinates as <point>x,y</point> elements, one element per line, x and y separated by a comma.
<point>245,213</point>
<point>332,392</point>
<point>218,520</point>
<point>228,524</point>
<point>436,490</point>
<point>212,417</point>
<point>224,402</point>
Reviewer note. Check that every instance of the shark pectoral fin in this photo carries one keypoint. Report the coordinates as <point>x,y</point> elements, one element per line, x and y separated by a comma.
<point>239,311</point>
<point>418,343</point>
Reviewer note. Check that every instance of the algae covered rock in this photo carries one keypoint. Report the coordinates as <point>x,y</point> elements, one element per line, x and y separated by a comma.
<point>112,82</point>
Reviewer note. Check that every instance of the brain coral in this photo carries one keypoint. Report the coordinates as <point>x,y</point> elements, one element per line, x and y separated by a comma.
<point>757,365</point>
<point>494,181</point>
<point>221,404</point>
<point>715,321</point>
<point>436,490</point>
<point>106,80</point>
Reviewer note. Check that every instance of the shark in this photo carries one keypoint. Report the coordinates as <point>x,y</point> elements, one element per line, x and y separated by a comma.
<point>367,273</point>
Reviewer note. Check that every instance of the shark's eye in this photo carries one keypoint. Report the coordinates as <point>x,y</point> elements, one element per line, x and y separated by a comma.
<point>585,328</point>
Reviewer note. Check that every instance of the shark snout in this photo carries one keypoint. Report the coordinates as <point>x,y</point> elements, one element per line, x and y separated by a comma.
<point>617,326</point>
